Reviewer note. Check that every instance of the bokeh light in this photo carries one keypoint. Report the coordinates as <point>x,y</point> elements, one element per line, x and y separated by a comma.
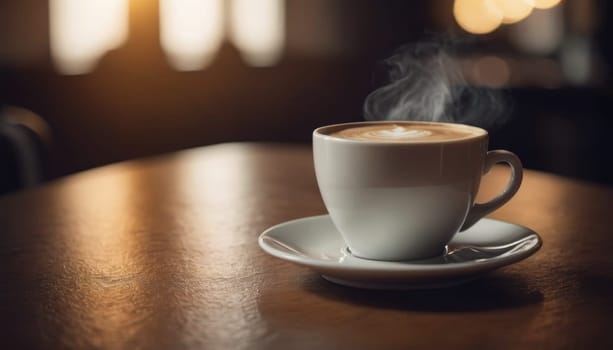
<point>545,4</point>
<point>191,32</point>
<point>258,30</point>
<point>491,71</point>
<point>81,32</point>
<point>477,16</point>
<point>514,10</point>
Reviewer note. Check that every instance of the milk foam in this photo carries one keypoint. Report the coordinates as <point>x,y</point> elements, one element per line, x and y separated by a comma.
<point>403,133</point>
<point>396,133</point>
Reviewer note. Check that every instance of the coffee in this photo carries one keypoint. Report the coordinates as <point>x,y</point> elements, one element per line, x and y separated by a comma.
<point>407,132</point>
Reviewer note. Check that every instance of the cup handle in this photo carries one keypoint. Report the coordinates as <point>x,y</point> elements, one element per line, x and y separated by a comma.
<point>479,210</point>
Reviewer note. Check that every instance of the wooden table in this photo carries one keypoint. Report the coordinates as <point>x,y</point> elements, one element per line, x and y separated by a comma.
<point>162,253</point>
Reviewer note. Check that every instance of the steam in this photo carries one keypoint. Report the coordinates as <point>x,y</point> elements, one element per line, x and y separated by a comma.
<point>426,84</point>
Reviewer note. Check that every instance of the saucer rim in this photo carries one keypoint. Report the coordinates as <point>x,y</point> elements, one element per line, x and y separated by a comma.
<point>470,266</point>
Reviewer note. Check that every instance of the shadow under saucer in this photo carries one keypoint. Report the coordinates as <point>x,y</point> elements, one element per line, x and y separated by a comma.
<point>491,292</point>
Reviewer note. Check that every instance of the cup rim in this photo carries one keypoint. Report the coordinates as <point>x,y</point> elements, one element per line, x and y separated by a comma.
<point>319,132</point>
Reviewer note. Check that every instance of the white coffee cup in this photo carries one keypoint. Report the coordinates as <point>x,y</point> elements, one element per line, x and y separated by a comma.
<point>401,190</point>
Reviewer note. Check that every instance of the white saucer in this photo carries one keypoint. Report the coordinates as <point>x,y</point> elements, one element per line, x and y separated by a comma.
<point>314,242</point>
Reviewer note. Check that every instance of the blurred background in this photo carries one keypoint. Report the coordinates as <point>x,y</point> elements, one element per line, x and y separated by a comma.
<point>84,83</point>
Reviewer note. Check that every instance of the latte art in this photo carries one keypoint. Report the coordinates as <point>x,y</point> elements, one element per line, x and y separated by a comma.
<point>396,133</point>
<point>392,132</point>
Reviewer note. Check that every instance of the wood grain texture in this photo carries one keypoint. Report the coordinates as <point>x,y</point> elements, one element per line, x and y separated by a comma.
<point>162,253</point>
